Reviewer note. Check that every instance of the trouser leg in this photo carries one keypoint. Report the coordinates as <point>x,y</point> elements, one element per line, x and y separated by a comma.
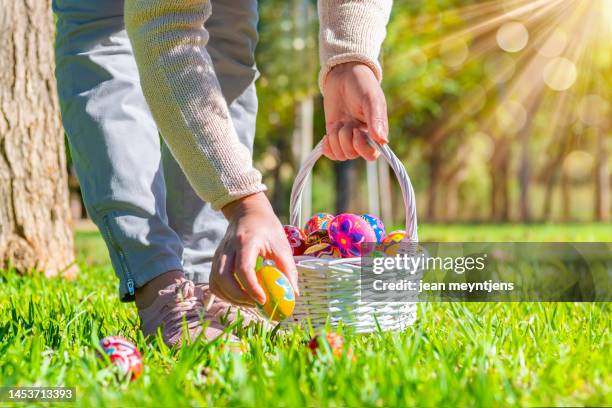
<point>114,142</point>
<point>233,35</point>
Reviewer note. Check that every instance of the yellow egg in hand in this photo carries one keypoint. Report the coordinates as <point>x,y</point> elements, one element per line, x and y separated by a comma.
<point>280,299</point>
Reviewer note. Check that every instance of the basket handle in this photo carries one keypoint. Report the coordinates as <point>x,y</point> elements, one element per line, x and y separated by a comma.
<point>295,203</point>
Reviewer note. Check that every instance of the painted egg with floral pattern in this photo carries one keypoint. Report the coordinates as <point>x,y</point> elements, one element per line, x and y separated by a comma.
<point>123,354</point>
<point>325,251</point>
<point>280,297</point>
<point>317,222</point>
<point>377,226</point>
<point>391,244</point>
<point>320,236</point>
<point>296,238</point>
<point>348,232</point>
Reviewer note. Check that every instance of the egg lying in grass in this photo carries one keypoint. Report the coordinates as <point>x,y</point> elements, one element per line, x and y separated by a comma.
<point>280,298</point>
<point>335,342</point>
<point>348,232</point>
<point>318,221</point>
<point>377,226</point>
<point>123,354</point>
<point>296,238</point>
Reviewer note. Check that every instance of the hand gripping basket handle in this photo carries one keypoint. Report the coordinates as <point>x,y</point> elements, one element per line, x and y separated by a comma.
<point>295,202</point>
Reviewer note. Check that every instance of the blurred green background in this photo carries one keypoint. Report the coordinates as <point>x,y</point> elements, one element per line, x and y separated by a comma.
<point>499,110</point>
<point>481,129</point>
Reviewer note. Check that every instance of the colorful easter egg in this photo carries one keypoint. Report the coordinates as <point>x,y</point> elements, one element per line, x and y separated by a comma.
<point>391,244</point>
<point>318,221</point>
<point>280,298</point>
<point>323,250</point>
<point>296,238</point>
<point>335,342</point>
<point>377,226</point>
<point>123,354</point>
<point>348,232</point>
<point>320,236</point>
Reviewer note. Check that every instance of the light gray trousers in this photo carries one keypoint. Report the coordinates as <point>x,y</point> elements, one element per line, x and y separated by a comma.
<point>151,219</point>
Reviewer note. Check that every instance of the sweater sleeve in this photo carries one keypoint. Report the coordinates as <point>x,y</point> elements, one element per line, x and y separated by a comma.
<point>179,83</point>
<point>351,31</point>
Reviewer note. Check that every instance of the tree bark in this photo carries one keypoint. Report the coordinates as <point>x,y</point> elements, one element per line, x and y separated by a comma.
<point>35,228</point>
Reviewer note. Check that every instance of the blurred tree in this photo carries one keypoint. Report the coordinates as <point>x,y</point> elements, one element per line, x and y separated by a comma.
<point>35,230</point>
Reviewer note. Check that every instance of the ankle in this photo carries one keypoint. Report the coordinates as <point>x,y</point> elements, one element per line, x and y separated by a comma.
<point>147,294</point>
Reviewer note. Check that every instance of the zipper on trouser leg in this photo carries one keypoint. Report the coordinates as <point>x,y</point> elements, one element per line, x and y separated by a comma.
<point>124,266</point>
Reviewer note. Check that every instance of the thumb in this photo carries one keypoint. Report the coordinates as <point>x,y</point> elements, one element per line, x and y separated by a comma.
<point>375,110</point>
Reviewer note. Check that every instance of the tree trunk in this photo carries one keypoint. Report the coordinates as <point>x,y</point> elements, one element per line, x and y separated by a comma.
<point>602,180</point>
<point>499,172</point>
<point>524,176</point>
<point>566,196</point>
<point>548,196</point>
<point>34,208</point>
<point>346,186</point>
<point>435,173</point>
<point>452,178</point>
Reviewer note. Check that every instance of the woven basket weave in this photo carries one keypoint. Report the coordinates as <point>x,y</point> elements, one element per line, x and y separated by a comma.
<point>330,289</point>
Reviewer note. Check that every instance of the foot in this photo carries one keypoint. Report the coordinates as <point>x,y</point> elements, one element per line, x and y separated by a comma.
<point>224,312</point>
<point>198,307</point>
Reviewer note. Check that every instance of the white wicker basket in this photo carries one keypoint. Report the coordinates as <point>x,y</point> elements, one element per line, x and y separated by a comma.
<point>330,289</point>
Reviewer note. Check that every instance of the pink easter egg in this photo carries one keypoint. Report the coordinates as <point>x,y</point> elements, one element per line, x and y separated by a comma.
<point>318,221</point>
<point>296,238</point>
<point>377,226</point>
<point>123,354</point>
<point>348,232</point>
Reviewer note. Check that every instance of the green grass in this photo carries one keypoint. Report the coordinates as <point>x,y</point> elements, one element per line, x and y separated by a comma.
<point>479,354</point>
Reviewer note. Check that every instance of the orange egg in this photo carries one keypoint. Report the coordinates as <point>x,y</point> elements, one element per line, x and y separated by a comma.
<point>280,298</point>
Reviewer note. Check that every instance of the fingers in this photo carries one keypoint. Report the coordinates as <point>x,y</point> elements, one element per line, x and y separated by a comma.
<point>345,137</point>
<point>245,272</point>
<point>362,146</point>
<point>348,142</point>
<point>326,150</point>
<point>283,258</point>
<point>375,109</point>
<point>333,140</point>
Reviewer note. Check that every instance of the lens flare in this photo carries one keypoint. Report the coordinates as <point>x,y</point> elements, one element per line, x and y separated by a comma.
<point>559,74</point>
<point>512,37</point>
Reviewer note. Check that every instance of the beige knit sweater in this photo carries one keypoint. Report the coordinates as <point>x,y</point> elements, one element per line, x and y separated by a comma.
<point>182,90</point>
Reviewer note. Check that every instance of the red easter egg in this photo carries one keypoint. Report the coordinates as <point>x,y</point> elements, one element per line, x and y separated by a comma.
<point>296,238</point>
<point>348,232</point>
<point>318,221</point>
<point>336,345</point>
<point>123,354</point>
<point>320,236</point>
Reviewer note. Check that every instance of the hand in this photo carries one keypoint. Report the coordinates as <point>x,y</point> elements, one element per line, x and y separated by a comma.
<point>253,230</point>
<point>354,103</point>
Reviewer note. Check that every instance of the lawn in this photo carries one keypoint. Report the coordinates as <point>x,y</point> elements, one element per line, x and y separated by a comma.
<point>479,354</point>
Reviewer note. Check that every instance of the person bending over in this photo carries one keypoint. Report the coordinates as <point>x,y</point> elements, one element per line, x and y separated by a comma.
<point>185,216</point>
